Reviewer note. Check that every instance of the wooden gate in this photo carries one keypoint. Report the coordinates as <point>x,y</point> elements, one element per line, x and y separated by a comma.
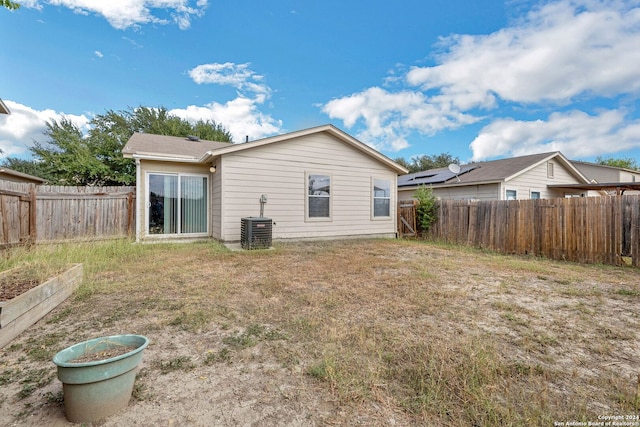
<point>407,224</point>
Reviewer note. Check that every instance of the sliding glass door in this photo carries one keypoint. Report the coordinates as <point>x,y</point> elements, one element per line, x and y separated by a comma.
<point>193,204</point>
<point>177,204</point>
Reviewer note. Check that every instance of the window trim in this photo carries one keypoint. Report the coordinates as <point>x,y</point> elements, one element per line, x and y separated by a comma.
<point>515,194</point>
<point>308,218</point>
<point>179,176</point>
<point>531,193</point>
<point>550,170</point>
<point>374,198</point>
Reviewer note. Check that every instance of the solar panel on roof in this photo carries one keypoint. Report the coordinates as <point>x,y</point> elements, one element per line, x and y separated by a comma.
<point>436,177</point>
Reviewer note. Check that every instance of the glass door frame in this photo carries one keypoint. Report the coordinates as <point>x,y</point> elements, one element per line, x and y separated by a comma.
<point>178,176</point>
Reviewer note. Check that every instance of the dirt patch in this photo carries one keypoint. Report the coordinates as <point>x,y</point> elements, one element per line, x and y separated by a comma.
<point>19,280</point>
<point>346,333</point>
<point>14,284</point>
<point>114,351</point>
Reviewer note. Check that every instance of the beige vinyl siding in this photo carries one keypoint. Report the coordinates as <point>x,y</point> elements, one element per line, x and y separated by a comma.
<point>279,171</point>
<point>464,192</point>
<point>536,179</point>
<point>627,176</point>
<point>215,226</point>
<point>468,192</point>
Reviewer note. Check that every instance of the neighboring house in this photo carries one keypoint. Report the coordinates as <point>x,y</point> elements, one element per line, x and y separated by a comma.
<point>318,183</point>
<point>3,108</point>
<point>610,178</point>
<point>536,176</point>
<point>7,174</point>
<point>603,173</point>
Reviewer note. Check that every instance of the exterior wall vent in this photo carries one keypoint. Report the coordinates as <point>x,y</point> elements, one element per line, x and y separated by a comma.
<point>256,232</point>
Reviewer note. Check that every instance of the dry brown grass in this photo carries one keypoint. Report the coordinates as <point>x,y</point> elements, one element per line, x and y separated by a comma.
<point>381,329</point>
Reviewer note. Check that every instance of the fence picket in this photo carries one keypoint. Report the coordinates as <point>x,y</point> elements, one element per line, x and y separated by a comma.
<point>588,230</point>
<point>46,213</point>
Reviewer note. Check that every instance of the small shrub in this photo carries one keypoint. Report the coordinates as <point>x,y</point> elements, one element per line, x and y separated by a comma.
<point>427,209</point>
<point>223,355</point>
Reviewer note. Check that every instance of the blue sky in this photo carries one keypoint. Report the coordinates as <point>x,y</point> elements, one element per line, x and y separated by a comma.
<point>479,80</point>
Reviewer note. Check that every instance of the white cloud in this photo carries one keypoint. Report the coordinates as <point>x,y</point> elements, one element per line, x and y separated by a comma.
<point>242,115</point>
<point>388,117</point>
<point>239,116</point>
<point>576,134</point>
<point>568,53</point>
<point>98,54</point>
<point>19,129</point>
<point>562,50</point>
<point>123,14</point>
<point>239,76</point>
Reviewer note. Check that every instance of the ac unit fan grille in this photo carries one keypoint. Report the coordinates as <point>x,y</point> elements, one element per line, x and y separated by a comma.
<point>256,233</point>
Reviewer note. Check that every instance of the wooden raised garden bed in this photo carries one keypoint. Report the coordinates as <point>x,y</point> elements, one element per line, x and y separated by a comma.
<point>22,311</point>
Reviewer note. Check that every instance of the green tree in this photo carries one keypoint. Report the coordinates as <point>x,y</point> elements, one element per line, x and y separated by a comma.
<point>425,162</point>
<point>403,162</point>
<point>11,5</point>
<point>625,163</point>
<point>427,208</point>
<point>68,158</point>
<point>71,158</point>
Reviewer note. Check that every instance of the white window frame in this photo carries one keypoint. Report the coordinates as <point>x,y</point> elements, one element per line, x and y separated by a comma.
<point>307,176</point>
<point>515,194</point>
<point>535,192</point>
<point>179,233</point>
<point>374,198</point>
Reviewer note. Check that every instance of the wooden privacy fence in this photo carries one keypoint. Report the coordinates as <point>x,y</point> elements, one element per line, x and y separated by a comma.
<point>40,213</point>
<point>587,230</point>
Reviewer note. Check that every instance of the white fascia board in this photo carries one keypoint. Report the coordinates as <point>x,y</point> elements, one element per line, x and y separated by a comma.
<point>172,158</point>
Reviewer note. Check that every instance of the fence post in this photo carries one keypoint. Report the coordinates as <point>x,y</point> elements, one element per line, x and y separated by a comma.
<point>130,213</point>
<point>33,214</point>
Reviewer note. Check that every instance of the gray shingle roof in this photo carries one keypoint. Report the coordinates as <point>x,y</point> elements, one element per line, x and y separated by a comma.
<point>162,145</point>
<point>491,171</point>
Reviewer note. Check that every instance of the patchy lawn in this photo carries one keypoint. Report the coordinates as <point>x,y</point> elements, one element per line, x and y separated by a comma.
<point>362,332</point>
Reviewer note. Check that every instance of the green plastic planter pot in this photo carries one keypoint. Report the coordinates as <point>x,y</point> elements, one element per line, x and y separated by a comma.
<point>96,389</point>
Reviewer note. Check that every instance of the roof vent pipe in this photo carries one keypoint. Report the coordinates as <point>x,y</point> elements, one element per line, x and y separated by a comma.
<point>246,138</point>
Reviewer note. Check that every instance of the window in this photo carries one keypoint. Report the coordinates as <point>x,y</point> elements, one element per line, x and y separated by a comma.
<point>511,194</point>
<point>177,204</point>
<point>381,198</point>
<point>535,194</point>
<point>549,170</point>
<point>318,196</point>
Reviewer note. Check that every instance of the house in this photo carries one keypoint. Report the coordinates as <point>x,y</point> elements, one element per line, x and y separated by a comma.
<point>536,176</point>
<point>7,174</point>
<point>612,179</point>
<point>316,183</point>
<point>603,173</point>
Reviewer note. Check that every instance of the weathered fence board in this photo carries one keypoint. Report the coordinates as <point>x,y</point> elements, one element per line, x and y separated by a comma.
<point>45,213</point>
<point>407,218</point>
<point>18,223</point>
<point>587,230</point>
<point>67,213</point>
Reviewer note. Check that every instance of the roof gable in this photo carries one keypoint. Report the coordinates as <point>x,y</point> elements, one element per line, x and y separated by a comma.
<point>330,129</point>
<point>179,149</point>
